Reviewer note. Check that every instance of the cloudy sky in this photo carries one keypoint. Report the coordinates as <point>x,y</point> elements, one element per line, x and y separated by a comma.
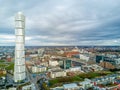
<point>62,22</point>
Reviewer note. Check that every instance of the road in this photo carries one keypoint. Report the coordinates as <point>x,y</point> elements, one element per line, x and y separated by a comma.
<point>32,80</point>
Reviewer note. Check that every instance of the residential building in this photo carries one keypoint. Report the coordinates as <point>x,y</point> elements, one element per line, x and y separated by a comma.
<point>71,86</point>
<point>108,61</point>
<point>70,54</point>
<point>84,57</point>
<point>37,69</point>
<point>86,84</point>
<point>93,67</point>
<point>2,81</point>
<point>73,69</point>
<point>40,52</point>
<point>13,88</point>
<point>53,63</point>
<point>58,73</point>
<point>29,87</point>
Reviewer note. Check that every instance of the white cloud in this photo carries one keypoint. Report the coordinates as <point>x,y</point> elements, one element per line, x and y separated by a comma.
<point>63,21</point>
<point>11,38</point>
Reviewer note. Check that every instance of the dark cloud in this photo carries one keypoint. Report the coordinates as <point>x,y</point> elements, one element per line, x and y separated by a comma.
<point>54,22</point>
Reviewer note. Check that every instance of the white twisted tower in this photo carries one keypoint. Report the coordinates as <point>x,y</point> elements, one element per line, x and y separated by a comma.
<point>19,68</point>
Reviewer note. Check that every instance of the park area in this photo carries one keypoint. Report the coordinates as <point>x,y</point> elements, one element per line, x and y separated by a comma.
<point>4,67</point>
<point>60,81</point>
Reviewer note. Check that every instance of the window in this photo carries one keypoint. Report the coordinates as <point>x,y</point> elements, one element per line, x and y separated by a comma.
<point>19,39</point>
<point>19,24</point>
<point>19,32</point>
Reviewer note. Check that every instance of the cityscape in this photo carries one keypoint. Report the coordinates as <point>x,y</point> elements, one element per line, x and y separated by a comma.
<point>60,45</point>
<point>62,68</point>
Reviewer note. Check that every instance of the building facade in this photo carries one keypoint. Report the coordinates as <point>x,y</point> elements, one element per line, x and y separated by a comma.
<point>19,68</point>
<point>37,69</point>
<point>58,73</point>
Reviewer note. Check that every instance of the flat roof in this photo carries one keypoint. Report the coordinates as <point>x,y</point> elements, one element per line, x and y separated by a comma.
<point>72,85</point>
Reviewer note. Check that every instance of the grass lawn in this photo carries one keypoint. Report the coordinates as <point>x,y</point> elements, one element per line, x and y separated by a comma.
<point>1,75</point>
<point>2,65</point>
<point>77,78</point>
<point>10,67</point>
<point>2,61</point>
<point>62,80</point>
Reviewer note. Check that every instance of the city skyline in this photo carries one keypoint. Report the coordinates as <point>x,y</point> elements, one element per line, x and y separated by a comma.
<point>64,22</point>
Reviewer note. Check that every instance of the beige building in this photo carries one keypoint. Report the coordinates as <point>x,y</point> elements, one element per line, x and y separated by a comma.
<point>12,88</point>
<point>2,71</point>
<point>58,73</point>
<point>53,63</point>
<point>74,69</point>
<point>37,69</point>
<point>42,63</point>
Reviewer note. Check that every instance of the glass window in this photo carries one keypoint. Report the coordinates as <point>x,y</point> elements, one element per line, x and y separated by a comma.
<point>19,32</point>
<point>19,39</point>
<point>19,24</point>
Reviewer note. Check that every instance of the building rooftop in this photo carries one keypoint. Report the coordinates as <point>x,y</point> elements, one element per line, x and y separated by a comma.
<point>72,85</point>
<point>57,70</point>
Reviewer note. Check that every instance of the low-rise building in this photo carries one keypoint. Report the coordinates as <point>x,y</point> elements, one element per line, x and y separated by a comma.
<point>105,79</point>
<point>58,73</point>
<point>108,61</point>
<point>12,88</point>
<point>41,52</point>
<point>29,87</point>
<point>70,54</point>
<point>33,55</point>
<point>93,67</point>
<point>3,72</point>
<point>72,86</point>
<point>53,63</point>
<point>84,57</point>
<point>2,80</point>
<point>73,69</point>
<point>87,83</point>
<point>37,69</point>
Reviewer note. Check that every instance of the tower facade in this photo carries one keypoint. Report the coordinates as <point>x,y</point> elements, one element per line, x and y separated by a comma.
<point>19,67</point>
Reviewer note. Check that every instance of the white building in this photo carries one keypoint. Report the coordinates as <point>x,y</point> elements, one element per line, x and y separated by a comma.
<point>40,52</point>
<point>19,68</point>
<point>29,87</point>
<point>12,88</point>
<point>71,86</point>
<point>33,55</point>
<point>96,67</point>
<point>117,61</point>
<point>84,57</point>
<point>37,69</point>
<point>86,84</point>
<point>76,49</point>
<point>44,63</point>
<point>73,69</point>
<point>93,67</point>
<point>61,52</point>
<point>53,63</point>
<point>58,73</point>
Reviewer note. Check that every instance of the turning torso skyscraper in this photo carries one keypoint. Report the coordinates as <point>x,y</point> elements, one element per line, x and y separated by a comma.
<point>19,68</point>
